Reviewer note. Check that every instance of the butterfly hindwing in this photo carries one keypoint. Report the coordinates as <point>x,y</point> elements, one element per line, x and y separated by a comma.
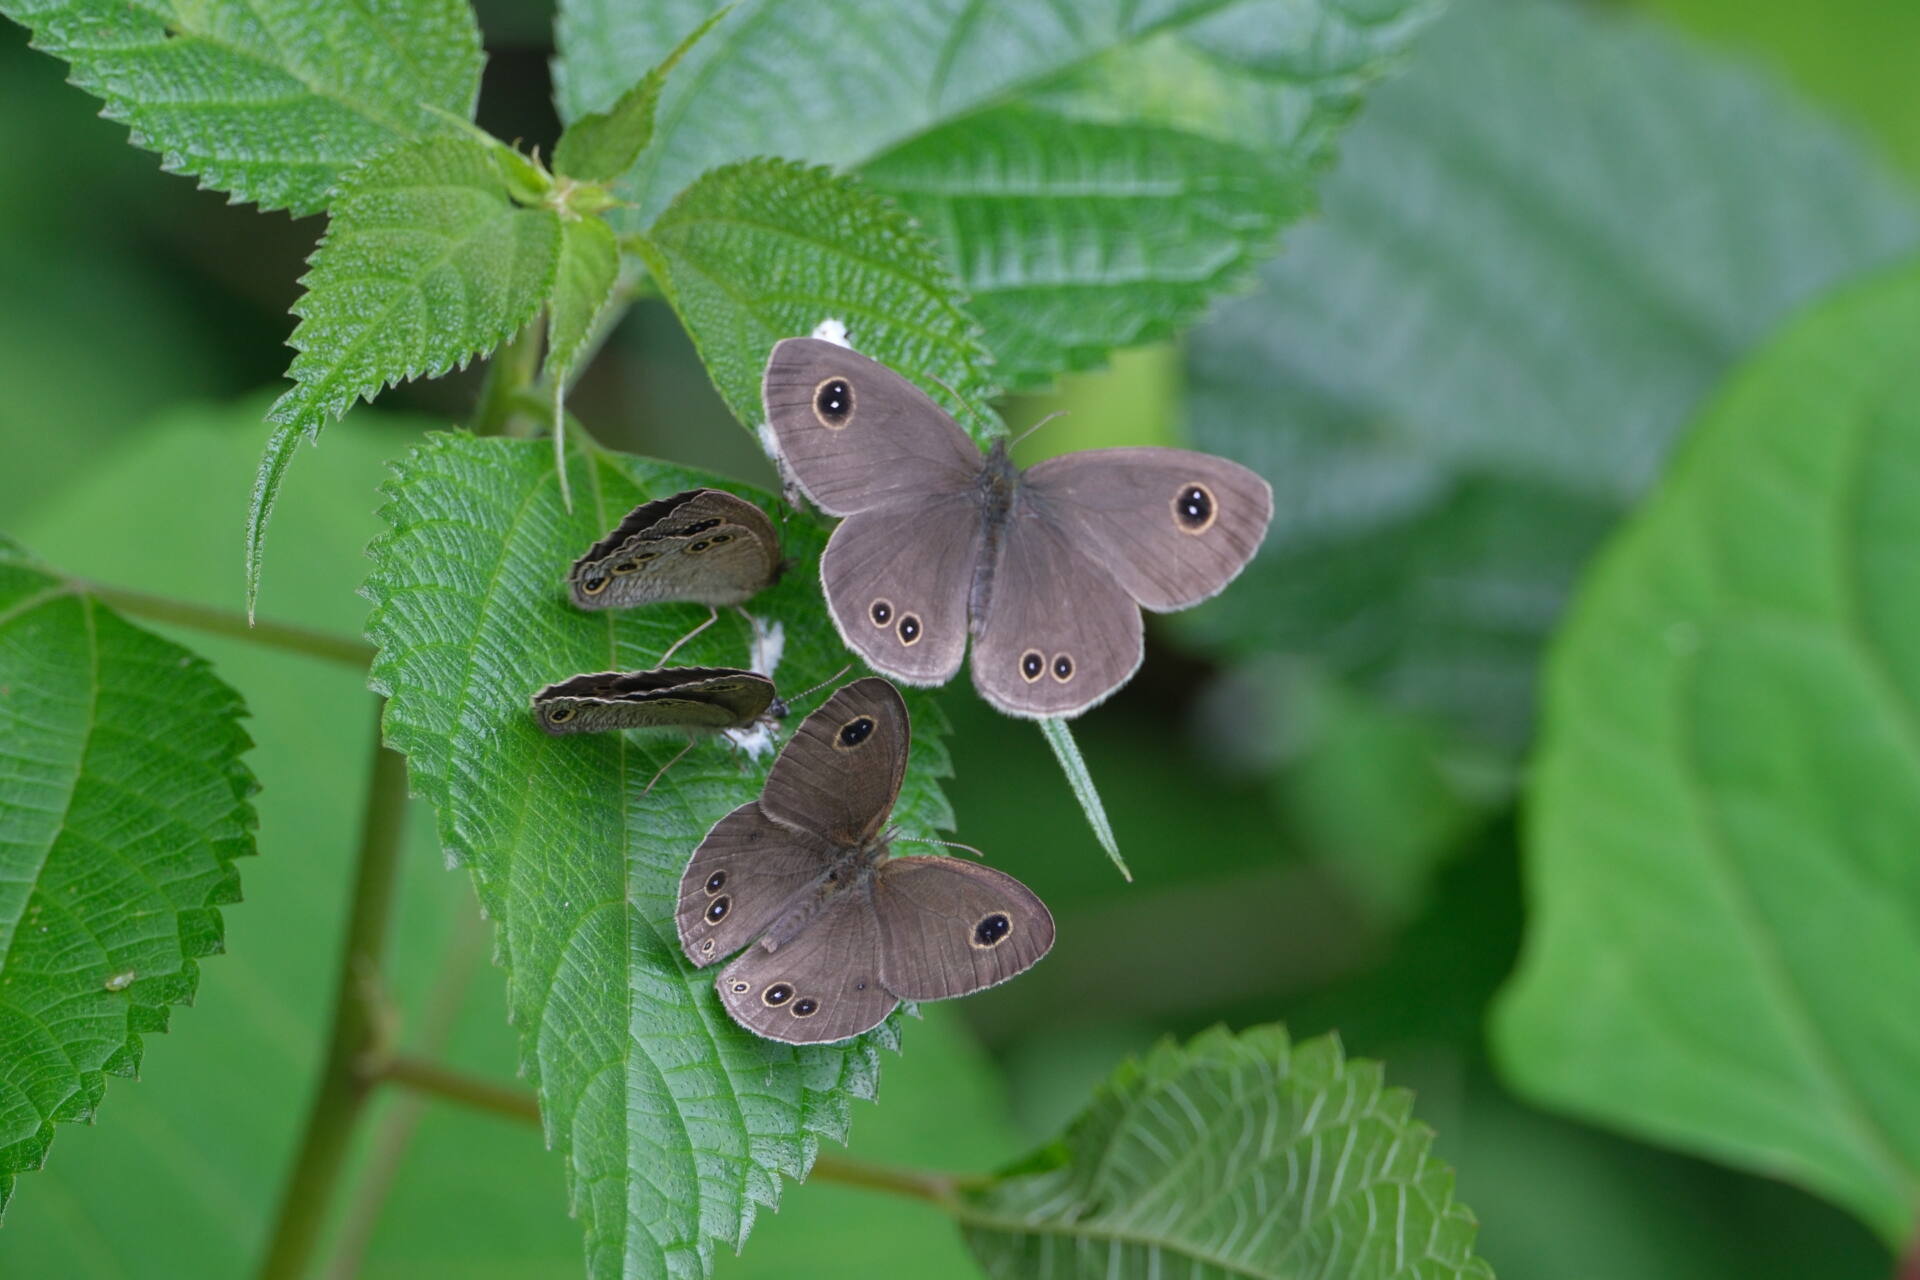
<point>948,927</point>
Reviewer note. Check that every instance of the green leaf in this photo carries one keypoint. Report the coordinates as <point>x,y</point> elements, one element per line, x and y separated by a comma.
<point>601,145</point>
<point>675,1123</point>
<point>1232,1156</point>
<point>765,250</point>
<point>125,803</point>
<point>269,100</point>
<point>1036,142</point>
<point>1725,950</point>
<point>583,282</point>
<point>185,1174</point>
<point>1462,374</point>
<point>1075,237</point>
<point>427,262</point>
<point>1060,739</point>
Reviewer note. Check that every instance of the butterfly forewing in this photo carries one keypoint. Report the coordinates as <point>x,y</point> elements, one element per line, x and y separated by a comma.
<point>1172,526</point>
<point>705,546</point>
<point>856,435</point>
<point>897,580</point>
<point>745,874</point>
<point>949,927</point>
<point>839,774</point>
<point>823,984</point>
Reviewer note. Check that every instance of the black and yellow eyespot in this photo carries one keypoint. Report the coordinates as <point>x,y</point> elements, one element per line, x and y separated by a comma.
<point>1194,508</point>
<point>739,987</point>
<point>881,611</point>
<point>853,733</point>
<point>559,715</point>
<point>715,881</point>
<point>718,908</point>
<point>594,583</point>
<point>909,630</point>
<point>805,1007</point>
<point>833,403</point>
<point>1062,667</point>
<point>626,566</point>
<point>991,930</point>
<point>1033,665</point>
<point>776,995</point>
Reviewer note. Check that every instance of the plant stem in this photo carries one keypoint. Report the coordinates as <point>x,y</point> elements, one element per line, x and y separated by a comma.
<point>941,1189</point>
<point>509,370</point>
<point>226,622</point>
<point>343,1085</point>
<point>457,1086</point>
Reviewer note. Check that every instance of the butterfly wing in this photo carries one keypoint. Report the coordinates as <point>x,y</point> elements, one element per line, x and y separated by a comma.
<point>838,776</point>
<point>1173,526</point>
<point>686,697</point>
<point>856,435</point>
<point>1059,633</point>
<point>949,927</point>
<point>704,545</point>
<point>896,581</point>
<point>824,984</point>
<point>742,877</point>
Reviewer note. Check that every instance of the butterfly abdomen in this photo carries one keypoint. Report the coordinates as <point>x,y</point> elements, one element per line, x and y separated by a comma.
<point>999,485</point>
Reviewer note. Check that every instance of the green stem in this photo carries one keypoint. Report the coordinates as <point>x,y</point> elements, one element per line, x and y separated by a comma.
<point>343,1084</point>
<point>509,371</point>
<point>457,1086</point>
<point>942,1189</point>
<point>227,622</point>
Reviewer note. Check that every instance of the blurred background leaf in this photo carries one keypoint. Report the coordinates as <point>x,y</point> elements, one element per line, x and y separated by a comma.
<point>115,740</point>
<point>1725,952</point>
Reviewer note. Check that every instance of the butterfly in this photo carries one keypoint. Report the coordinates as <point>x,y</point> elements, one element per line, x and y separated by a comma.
<point>1047,569</point>
<point>836,931</point>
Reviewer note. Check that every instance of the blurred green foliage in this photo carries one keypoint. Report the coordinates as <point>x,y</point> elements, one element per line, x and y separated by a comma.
<point>1308,844</point>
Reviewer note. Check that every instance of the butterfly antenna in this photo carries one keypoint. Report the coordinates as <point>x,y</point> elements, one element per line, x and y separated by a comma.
<point>950,844</point>
<point>713,615</point>
<point>808,693</point>
<point>958,399</point>
<point>1057,413</point>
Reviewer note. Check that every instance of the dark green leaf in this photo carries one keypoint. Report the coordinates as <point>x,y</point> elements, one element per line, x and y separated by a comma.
<point>1725,953</point>
<point>1232,1156</point>
<point>123,803</point>
<point>602,145</point>
<point>270,100</point>
<point>427,263</point>
<point>761,251</point>
<point>1463,373</point>
<point>676,1123</point>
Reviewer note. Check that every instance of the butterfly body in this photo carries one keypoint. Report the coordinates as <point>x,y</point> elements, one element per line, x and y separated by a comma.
<point>1045,569</point>
<point>832,930</point>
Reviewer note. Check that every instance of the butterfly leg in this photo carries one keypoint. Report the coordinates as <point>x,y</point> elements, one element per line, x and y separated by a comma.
<point>713,616</point>
<point>669,764</point>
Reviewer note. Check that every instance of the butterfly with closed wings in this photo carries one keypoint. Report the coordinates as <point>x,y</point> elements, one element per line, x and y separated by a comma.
<point>837,932</point>
<point>705,546</point>
<point>1047,568</point>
